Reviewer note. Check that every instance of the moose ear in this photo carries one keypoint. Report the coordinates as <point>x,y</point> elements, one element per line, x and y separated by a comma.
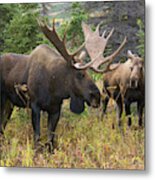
<point>76,105</point>
<point>129,54</point>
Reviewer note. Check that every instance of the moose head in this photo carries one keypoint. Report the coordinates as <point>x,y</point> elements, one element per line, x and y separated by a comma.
<point>136,68</point>
<point>81,87</point>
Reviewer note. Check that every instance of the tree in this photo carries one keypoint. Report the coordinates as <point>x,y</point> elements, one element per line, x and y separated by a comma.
<point>6,14</point>
<point>22,34</point>
<point>141,38</point>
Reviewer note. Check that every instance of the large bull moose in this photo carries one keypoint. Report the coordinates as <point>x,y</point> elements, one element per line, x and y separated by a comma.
<point>125,85</point>
<point>43,79</point>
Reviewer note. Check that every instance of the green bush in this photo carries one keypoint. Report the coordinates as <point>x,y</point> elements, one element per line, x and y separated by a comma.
<point>141,37</point>
<point>6,13</point>
<point>22,33</point>
<point>74,30</point>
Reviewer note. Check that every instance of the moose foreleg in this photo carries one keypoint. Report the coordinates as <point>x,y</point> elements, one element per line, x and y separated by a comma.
<point>128,113</point>
<point>105,103</point>
<point>119,110</point>
<point>140,108</point>
<point>52,123</point>
<point>36,123</point>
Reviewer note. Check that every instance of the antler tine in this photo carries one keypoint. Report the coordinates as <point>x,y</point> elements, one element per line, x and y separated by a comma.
<point>80,66</point>
<point>97,29</point>
<point>112,56</point>
<point>65,33</point>
<point>103,34</point>
<point>95,46</point>
<point>78,50</point>
<point>110,34</point>
<point>53,37</point>
<point>108,59</point>
<point>107,69</point>
<point>53,24</point>
<point>59,44</point>
<point>64,38</point>
<point>86,30</point>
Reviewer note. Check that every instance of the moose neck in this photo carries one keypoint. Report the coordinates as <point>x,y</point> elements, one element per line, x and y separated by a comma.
<point>61,78</point>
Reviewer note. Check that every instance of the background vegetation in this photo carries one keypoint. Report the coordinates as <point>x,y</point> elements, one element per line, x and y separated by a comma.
<point>82,141</point>
<point>20,32</point>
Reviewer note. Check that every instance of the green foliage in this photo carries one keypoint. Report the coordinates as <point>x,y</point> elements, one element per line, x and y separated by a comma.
<point>78,15</point>
<point>22,33</point>
<point>96,76</point>
<point>73,26</point>
<point>6,13</point>
<point>141,37</point>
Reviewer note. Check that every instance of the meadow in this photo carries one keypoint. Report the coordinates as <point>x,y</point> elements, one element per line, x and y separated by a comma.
<point>82,141</point>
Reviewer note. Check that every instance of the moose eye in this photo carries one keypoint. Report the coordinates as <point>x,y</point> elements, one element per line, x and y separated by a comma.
<point>80,75</point>
<point>131,68</point>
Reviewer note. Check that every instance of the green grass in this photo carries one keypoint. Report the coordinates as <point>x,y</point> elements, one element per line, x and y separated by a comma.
<point>81,142</point>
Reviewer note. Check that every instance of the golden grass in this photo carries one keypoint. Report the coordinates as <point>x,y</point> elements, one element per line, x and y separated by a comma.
<point>82,141</point>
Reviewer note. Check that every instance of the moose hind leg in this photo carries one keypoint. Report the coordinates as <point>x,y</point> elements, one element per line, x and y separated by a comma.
<point>6,108</point>
<point>2,106</point>
<point>7,113</point>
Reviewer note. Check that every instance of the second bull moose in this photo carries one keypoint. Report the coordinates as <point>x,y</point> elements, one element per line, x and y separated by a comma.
<point>48,77</point>
<point>124,82</point>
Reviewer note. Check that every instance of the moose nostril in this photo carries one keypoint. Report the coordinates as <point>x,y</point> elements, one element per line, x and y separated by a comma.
<point>134,83</point>
<point>95,93</point>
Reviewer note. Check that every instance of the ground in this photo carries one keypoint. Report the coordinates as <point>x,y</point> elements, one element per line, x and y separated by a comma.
<point>82,141</point>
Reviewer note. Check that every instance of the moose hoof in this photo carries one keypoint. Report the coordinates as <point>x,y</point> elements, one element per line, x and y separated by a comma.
<point>129,122</point>
<point>1,135</point>
<point>38,146</point>
<point>49,146</point>
<point>119,124</point>
<point>140,123</point>
<point>113,126</point>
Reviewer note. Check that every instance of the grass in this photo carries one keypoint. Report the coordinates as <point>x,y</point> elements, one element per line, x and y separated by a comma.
<point>81,142</point>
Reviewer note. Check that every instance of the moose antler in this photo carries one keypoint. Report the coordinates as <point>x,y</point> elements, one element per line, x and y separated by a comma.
<point>95,46</point>
<point>53,37</point>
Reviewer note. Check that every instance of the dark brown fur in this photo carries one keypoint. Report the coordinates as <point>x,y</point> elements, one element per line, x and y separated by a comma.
<point>50,80</point>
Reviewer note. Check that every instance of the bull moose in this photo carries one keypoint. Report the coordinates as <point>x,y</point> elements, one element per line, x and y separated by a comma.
<point>49,77</point>
<point>121,81</point>
<point>126,83</point>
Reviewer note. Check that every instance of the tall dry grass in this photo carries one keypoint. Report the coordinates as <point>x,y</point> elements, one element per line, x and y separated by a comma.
<point>82,141</point>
